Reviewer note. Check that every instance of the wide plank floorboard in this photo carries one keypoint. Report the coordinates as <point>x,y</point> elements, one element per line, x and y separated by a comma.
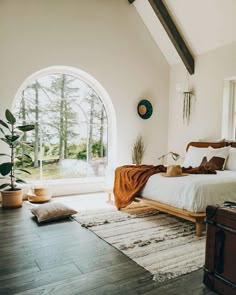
<point>18,269</point>
<point>33,280</point>
<point>190,284</point>
<point>63,258</point>
<point>92,280</point>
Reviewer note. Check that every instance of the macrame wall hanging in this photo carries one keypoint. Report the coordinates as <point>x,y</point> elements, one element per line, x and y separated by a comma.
<point>187,100</point>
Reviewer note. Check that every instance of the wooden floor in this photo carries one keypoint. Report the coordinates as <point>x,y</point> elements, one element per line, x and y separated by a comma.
<point>62,258</point>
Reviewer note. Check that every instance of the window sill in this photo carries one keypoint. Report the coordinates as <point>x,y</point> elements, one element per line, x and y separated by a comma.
<point>63,187</point>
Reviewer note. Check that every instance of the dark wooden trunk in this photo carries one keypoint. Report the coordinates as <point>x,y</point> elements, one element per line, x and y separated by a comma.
<point>220,261</point>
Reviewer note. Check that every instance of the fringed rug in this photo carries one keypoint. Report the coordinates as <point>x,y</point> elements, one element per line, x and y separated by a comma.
<point>164,245</point>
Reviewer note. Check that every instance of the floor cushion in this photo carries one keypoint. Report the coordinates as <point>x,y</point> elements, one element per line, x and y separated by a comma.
<point>52,211</point>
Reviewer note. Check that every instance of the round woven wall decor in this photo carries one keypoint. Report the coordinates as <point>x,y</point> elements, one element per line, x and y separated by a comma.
<point>144,109</point>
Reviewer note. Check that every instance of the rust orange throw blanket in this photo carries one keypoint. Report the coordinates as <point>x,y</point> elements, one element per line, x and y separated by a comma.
<point>130,179</point>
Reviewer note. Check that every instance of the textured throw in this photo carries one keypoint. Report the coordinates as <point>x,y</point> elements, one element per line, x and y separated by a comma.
<point>130,179</point>
<point>164,245</point>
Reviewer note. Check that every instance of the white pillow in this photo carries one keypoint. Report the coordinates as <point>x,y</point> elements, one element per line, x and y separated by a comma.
<point>219,152</point>
<point>194,156</point>
<point>231,160</point>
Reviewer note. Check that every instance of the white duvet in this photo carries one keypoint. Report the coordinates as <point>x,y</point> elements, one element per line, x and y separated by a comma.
<point>192,192</point>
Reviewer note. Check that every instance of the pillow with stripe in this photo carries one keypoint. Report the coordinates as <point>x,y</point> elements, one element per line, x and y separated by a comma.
<point>216,158</point>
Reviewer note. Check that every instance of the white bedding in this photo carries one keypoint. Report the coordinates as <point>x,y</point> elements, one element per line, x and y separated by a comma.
<point>192,192</point>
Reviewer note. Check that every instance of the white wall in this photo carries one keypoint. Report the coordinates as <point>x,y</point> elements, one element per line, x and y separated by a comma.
<point>206,119</point>
<point>105,38</point>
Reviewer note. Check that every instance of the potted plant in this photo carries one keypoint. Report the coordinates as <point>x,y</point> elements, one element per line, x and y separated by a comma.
<point>12,195</point>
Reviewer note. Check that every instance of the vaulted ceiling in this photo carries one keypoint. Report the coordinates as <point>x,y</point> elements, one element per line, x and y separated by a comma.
<point>204,24</point>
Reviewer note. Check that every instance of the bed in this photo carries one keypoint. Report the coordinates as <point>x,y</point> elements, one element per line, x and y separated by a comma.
<point>188,197</point>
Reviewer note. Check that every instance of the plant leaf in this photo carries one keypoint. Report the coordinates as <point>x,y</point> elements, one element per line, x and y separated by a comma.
<point>18,180</point>
<point>16,143</point>
<point>24,171</point>
<point>12,138</point>
<point>2,130</point>
<point>9,116</point>
<point>24,157</point>
<point>27,144</point>
<point>26,128</point>
<point>4,124</point>
<point>4,185</point>
<point>27,156</point>
<point>4,155</point>
<point>5,168</point>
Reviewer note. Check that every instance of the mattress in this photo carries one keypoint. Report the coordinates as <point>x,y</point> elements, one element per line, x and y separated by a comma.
<point>192,192</point>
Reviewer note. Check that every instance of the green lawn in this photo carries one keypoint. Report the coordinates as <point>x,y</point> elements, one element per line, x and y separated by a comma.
<point>73,169</point>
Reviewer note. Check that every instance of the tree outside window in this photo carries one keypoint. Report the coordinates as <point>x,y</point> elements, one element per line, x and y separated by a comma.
<point>70,136</point>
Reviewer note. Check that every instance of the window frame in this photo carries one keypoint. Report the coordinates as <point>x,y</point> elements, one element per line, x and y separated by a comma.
<point>229,109</point>
<point>97,87</point>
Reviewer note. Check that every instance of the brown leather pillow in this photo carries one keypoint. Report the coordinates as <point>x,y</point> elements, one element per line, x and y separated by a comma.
<point>216,163</point>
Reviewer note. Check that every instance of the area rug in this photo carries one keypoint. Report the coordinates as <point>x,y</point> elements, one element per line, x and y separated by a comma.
<point>164,245</point>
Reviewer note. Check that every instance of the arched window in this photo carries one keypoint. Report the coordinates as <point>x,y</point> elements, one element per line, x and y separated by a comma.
<point>71,127</point>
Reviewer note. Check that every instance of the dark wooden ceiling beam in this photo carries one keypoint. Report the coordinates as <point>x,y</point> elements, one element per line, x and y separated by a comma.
<point>173,33</point>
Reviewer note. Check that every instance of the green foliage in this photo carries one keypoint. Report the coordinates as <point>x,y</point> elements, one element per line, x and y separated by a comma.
<point>10,118</point>
<point>23,159</point>
<point>5,168</point>
<point>12,138</point>
<point>46,149</point>
<point>55,150</point>
<point>62,107</point>
<point>4,125</point>
<point>82,154</point>
<point>95,150</point>
<point>25,128</point>
<point>3,185</point>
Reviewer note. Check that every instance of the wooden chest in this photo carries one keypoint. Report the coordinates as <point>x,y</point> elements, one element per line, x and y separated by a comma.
<point>220,261</point>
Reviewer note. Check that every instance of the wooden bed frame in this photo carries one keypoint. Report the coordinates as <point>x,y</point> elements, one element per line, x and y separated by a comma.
<point>197,218</point>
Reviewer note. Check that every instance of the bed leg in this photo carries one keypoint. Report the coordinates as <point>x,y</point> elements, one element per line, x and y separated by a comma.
<point>199,228</point>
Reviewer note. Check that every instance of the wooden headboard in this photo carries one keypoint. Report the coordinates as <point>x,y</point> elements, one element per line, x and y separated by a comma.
<point>203,144</point>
